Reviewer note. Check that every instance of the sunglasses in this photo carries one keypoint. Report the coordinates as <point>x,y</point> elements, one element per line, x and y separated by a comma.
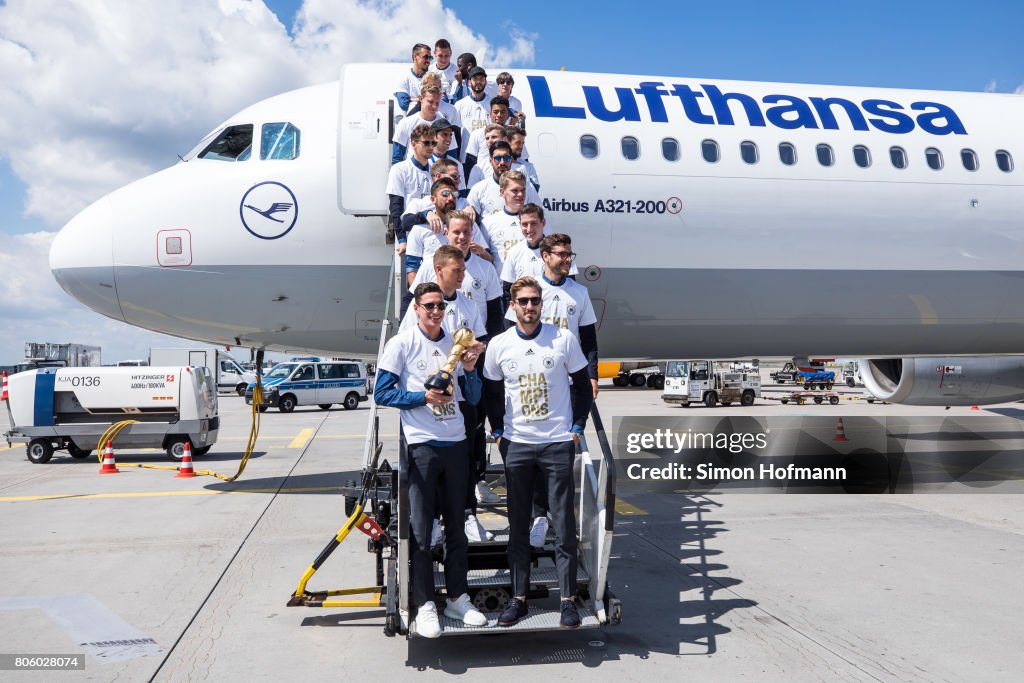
<point>439,306</point>
<point>504,158</point>
<point>532,300</point>
<point>447,194</point>
<point>429,143</point>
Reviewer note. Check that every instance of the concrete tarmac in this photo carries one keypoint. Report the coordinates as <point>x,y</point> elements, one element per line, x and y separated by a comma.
<point>151,577</point>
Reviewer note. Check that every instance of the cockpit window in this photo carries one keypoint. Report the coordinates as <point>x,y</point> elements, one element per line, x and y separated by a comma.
<point>279,141</point>
<point>233,144</point>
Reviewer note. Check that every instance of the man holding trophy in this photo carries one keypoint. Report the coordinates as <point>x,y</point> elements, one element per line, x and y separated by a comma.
<point>424,372</point>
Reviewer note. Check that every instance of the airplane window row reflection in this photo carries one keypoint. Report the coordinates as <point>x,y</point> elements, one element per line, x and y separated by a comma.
<point>278,141</point>
<point>749,153</point>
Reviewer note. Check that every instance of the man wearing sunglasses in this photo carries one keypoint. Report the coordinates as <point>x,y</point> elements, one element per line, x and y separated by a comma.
<point>480,285</point>
<point>536,417</point>
<point>435,434</point>
<point>486,196</point>
<point>408,90</point>
<point>409,180</point>
<point>430,215</point>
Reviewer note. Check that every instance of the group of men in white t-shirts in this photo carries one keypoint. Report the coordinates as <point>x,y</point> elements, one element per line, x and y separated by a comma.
<point>467,217</point>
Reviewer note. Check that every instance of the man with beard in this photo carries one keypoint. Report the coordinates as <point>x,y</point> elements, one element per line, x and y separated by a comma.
<point>474,110</point>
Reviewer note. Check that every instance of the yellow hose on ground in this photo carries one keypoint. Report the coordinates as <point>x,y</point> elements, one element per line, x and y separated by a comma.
<point>250,446</point>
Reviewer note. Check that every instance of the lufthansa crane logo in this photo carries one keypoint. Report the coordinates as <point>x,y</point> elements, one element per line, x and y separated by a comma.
<point>269,210</point>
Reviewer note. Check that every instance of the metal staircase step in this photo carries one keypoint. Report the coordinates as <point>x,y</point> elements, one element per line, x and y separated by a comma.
<point>538,619</point>
<point>539,576</point>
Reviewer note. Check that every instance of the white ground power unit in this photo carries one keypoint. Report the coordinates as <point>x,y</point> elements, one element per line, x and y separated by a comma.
<point>70,408</point>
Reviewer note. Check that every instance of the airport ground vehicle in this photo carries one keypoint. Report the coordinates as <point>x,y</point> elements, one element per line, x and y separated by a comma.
<point>49,355</point>
<point>709,382</point>
<point>851,375</point>
<point>228,375</point>
<point>802,397</point>
<point>70,408</point>
<point>313,383</point>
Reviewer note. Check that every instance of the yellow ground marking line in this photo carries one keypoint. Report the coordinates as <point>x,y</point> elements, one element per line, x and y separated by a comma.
<point>624,508</point>
<point>155,494</point>
<point>302,439</point>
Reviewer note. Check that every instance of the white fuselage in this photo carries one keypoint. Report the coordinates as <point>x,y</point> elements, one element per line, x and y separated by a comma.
<point>681,256</point>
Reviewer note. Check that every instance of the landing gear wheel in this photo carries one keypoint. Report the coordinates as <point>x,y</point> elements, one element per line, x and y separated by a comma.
<point>637,380</point>
<point>324,406</point>
<point>39,451</point>
<point>620,381</point>
<point>711,399</point>
<point>351,401</point>
<point>176,448</point>
<point>286,403</point>
<point>834,400</point>
<point>747,399</point>
<point>79,453</point>
<point>659,382</point>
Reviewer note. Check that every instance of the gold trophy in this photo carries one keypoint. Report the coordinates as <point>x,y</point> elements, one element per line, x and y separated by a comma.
<point>444,379</point>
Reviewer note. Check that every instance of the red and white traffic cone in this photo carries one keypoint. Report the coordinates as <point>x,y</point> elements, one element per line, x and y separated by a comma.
<point>109,466</point>
<point>3,397</point>
<point>840,432</point>
<point>186,471</point>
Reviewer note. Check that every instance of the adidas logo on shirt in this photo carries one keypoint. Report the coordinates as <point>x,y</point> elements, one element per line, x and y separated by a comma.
<point>529,352</point>
<point>436,352</point>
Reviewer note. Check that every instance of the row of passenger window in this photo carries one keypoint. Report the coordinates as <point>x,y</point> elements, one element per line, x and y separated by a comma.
<point>749,152</point>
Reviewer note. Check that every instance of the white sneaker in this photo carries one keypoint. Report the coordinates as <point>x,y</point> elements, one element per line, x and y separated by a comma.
<point>436,534</point>
<point>539,532</point>
<point>485,495</point>
<point>462,608</point>
<point>475,531</point>
<point>427,624</point>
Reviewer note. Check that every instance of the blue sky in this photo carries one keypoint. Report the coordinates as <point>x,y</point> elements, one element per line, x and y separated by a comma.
<point>94,98</point>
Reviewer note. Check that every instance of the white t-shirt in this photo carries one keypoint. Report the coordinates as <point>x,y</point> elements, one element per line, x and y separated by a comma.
<point>414,358</point>
<point>461,312</point>
<point>447,75</point>
<point>566,306</point>
<point>410,85</point>
<point>538,408</point>
<point>480,284</point>
<point>504,232</point>
<point>409,180</point>
<point>403,131</point>
<point>522,260</point>
<point>475,116</point>
<point>485,197</point>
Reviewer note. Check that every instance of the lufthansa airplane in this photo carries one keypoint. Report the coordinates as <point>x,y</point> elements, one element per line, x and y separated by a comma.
<point>712,219</point>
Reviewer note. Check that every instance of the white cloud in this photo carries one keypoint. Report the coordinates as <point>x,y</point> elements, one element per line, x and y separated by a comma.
<point>990,86</point>
<point>1019,90</point>
<point>95,95</point>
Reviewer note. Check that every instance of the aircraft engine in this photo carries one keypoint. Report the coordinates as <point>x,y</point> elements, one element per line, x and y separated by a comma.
<point>950,381</point>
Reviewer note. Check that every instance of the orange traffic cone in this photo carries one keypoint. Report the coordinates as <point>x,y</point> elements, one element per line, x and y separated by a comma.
<point>840,432</point>
<point>186,471</point>
<point>109,466</point>
<point>3,397</point>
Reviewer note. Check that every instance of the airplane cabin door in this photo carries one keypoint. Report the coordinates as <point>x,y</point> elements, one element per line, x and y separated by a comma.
<point>364,140</point>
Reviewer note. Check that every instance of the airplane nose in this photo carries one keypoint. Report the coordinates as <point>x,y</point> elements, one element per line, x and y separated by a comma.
<point>81,259</point>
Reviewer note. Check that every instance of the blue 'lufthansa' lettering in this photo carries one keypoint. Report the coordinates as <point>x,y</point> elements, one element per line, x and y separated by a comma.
<point>786,111</point>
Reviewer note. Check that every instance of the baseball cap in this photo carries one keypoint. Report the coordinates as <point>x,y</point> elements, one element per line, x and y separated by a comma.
<point>441,123</point>
<point>477,71</point>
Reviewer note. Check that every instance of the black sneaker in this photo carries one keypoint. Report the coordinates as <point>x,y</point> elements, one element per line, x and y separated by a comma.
<point>515,611</point>
<point>570,615</point>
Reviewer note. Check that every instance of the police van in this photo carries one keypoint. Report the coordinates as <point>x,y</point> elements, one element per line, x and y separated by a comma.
<point>307,383</point>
